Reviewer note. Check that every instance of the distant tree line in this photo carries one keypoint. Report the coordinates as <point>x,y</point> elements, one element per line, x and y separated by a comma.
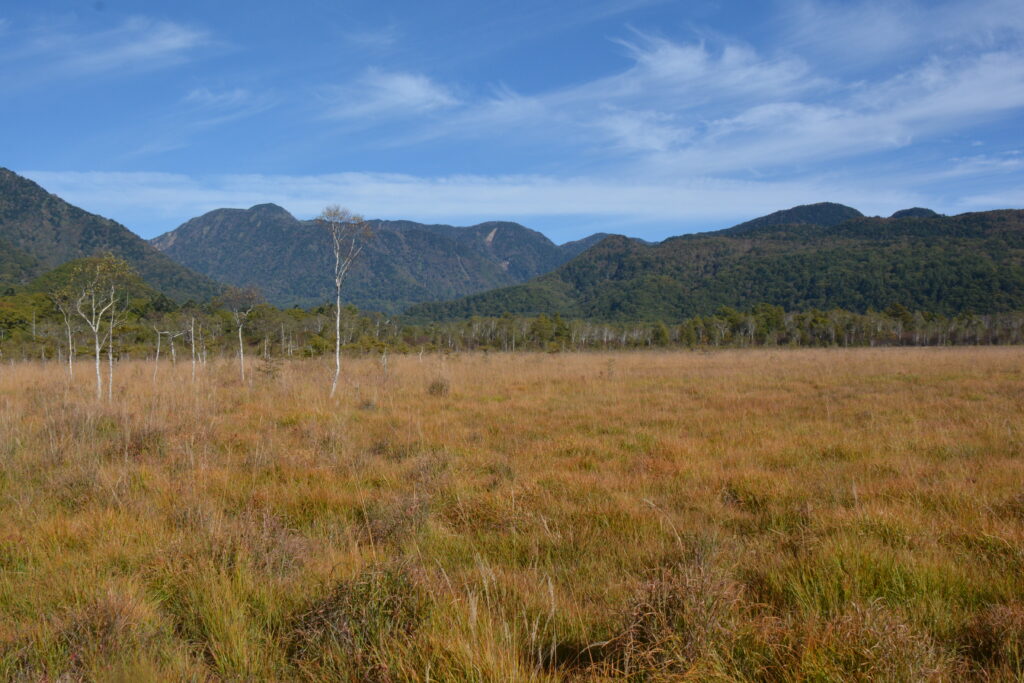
<point>764,325</point>
<point>148,325</point>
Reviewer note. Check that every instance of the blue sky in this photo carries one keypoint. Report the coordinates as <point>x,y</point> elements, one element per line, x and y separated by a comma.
<point>641,117</point>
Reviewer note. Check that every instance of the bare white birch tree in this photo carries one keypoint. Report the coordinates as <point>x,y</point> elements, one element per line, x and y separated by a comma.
<point>64,302</point>
<point>192,343</point>
<point>175,330</point>
<point>95,284</point>
<point>111,326</point>
<point>348,232</point>
<point>241,303</point>
<point>156,361</point>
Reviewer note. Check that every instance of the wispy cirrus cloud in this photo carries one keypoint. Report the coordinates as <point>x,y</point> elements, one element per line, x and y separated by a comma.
<point>983,164</point>
<point>643,130</point>
<point>137,44</point>
<point>868,32</point>
<point>728,108</point>
<point>653,105</point>
<point>1009,197</point>
<point>205,97</point>
<point>375,39</point>
<point>666,75</point>
<point>206,107</point>
<point>380,94</point>
<point>200,110</point>
<point>939,97</point>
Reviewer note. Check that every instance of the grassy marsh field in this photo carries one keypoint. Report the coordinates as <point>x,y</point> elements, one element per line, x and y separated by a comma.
<point>759,514</point>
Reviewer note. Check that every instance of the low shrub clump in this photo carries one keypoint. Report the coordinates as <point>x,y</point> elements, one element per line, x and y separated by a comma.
<point>359,629</point>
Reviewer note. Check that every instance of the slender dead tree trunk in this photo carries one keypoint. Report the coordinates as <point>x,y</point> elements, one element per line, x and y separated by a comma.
<point>96,353</point>
<point>174,354</point>
<point>337,340</point>
<point>110,366</point>
<point>192,342</point>
<point>241,354</point>
<point>99,375</point>
<point>110,347</point>
<point>156,361</point>
<point>71,352</point>
<point>346,229</point>
<point>64,307</point>
<point>241,303</point>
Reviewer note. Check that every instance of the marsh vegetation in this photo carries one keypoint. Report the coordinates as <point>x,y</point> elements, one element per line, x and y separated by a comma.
<point>756,514</point>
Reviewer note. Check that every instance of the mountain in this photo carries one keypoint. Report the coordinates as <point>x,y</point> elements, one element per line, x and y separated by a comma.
<point>916,212</point>
<point>40,231</point>
<point>971,262</point>
<point>576,247</point>
<point>403,263</point>
<point>824,214</point>
<point>55,279</point>
<point>16,266</point>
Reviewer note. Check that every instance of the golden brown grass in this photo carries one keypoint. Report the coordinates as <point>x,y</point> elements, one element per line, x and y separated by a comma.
<point>785,515</point>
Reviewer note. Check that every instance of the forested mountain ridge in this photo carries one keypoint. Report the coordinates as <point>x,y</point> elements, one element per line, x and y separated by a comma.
<point>818,256</point>
<point>40,231</point>
<point>403,262</point>
<point>971,262</point>
<point>16,266</point>
<point>822,214</point>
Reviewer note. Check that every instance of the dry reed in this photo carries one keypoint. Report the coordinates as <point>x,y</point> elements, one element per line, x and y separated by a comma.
<point>770,514</point>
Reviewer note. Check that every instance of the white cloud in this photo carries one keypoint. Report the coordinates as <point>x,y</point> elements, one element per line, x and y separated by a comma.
<point>692,109</point>
<point>385,93</point>
<point>724,107</point>
<point>681,77</point>
<point>939,97</point>
<point>1006,198</point>
<point>139,43</point>
<point>200,110</point>
<point>643,130</point>
<point>374,39</point>
<point>696,111</point>
<point>218,100</point>
<point>867,32</point>
<point>980,165</point>
<point>942,90</point>
<point>653,105</point>
<point>206,108</point>
<point>694,74</point>
<point>136,44</point>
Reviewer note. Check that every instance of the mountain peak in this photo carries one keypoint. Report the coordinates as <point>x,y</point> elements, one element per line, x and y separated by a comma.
<point>848,265</point>
<point>404,263</point>
<point>13,182</point>
<point>825,214</point>
<point>269,209</point>
<point>915,212</point>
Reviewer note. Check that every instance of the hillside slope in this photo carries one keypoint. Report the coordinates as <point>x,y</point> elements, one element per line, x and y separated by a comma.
<point>972,262</point>
<point>16,266</point>
<point>40,231</point>
<point>403,262</point>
